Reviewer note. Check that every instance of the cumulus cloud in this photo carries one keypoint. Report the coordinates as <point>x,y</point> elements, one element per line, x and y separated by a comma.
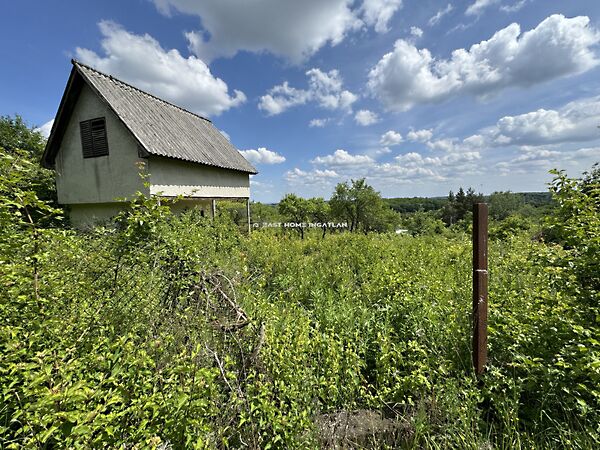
<point>141,61</point>
<point>404,168</point>
<point>557,47</point>
<point>45,129</point>
<point>324,88</point>
<point>477,8</point>
<point>262,156</point>
<point>390,138</point>
<point>416,32</point>
<point>445,145</point>
<point>298,176</point>
<point>364,117</point>
<point>419,135</point>
<point>378,13</point>
<point>532,159</point>
<point>342,158</point>
<point>437,17</point>
<point>414,159</point>
<point>575,122</point>
<point>290,29</point>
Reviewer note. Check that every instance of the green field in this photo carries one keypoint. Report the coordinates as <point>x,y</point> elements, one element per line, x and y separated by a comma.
<point>162,331</point>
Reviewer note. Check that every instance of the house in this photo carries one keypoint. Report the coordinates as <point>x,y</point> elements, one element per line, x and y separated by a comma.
<point>105,128</point>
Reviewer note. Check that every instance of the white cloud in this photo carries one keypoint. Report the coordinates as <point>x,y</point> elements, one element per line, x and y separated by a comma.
<point>291,29</point>
<point>282,97</point>
<point>533,159</point>
<point>557,47</point>
<point>589,152</point>
<point>318,123</point>
<point>390,138</point>
<point>262,156</point>
<point>46,128</point>
<point>324,88</point>
<point>445,145</point>
<point>298,176</point>
<point>414,159</point>
<point>141,61</point>
<point>437,17</point>
<point>514,7</point>
<point>477,8</point>
<point>342,158</point>
<point>364,117</point>
<point>575,122</point>
<point>416,32</point>
<point>378,13</point>
<point>419,135</point>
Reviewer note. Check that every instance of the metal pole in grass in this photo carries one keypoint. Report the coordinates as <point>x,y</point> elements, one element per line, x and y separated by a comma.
<point>480,286</point>
<point>248,214</point>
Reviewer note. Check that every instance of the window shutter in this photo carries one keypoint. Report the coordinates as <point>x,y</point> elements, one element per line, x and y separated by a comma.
<point>93,137</point>
<point>99,137</point>
<point>86,139</point>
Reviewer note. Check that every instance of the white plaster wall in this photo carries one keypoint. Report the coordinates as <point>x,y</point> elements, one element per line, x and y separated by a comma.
<point>103,179</point>
<point>172,177</point>
<point>86,215</point>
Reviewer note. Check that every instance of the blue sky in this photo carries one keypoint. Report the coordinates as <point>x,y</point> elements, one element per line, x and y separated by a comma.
<point>418,96</point>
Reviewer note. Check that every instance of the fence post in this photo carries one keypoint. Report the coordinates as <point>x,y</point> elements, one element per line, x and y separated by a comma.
<point>480,286</point>
<point>248,214</point>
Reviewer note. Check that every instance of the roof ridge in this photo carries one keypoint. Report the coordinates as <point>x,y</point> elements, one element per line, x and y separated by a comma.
<point>113,78</point>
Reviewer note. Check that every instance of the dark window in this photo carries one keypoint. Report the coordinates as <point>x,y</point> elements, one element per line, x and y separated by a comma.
<point>93,137</point>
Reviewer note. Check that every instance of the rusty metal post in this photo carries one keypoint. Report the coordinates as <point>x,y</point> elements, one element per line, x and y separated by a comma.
<point>480,286</point>
<point>248,214</point>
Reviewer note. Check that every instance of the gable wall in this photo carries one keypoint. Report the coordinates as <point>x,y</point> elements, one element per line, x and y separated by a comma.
<point>101,179</point>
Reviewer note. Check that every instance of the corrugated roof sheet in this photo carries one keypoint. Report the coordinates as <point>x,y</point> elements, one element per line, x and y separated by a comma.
<point>165,129</point>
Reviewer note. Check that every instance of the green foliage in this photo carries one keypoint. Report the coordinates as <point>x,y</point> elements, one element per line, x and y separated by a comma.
<point>424,223</point>
<point>576,225</point>
<point>25,144</point>
<point>503,204</point>
<point>362,207</point>
<point>414,204</point>
<point>261,212</point>
<point>176,331</point>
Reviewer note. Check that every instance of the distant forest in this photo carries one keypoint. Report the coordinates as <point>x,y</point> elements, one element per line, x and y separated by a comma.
<point>414,204</point>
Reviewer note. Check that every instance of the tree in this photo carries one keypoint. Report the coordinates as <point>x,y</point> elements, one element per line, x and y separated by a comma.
<point>16,135</point>
<point>449,212</point>
<point>25,146</point>
<point>320,212</point>
<point>503,204</point>
<point>296,209</point>
<point>261,212</point>
<point>362,206</point>
<point>576,225</point>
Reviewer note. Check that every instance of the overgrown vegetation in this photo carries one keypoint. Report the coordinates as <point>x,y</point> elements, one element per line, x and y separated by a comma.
<point>180,332</point>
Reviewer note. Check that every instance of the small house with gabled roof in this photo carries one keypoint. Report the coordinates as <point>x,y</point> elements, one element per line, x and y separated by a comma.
<point>105,128</point>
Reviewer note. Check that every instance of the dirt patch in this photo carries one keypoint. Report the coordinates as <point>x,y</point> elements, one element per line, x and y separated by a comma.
<point>363,429</point>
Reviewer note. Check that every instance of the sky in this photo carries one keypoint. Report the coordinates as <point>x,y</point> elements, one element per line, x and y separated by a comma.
<point>417,96</point>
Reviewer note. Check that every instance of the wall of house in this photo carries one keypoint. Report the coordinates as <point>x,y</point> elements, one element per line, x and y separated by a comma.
<point>85,215</point>
<point>101,179</point>
<point>172,177</point>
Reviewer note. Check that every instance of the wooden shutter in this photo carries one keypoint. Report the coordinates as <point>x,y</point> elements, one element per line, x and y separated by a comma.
<point>86,139</point>
<point>93,138</point>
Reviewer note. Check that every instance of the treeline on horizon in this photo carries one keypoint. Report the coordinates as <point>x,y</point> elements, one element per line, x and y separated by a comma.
<point>358,204</point>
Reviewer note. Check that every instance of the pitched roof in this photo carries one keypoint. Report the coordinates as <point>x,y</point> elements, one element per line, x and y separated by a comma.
<point>161,128</point>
